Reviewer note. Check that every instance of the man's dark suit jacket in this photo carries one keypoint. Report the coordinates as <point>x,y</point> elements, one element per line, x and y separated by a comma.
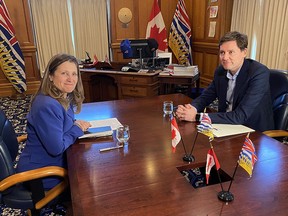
<point>252,104</point>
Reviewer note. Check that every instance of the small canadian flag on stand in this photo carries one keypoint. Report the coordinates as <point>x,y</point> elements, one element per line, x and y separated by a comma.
<point>95,61</point>
<point>175,134</point>
<point>211,161</point>
<point>107,59</point>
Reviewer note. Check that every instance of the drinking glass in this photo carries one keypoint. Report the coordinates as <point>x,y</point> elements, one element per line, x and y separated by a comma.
<point>123,134</point>
<point>168,107</point>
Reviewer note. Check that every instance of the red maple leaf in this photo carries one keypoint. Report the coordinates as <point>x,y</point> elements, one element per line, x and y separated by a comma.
<point>173,133</point>
<point>160,37</point>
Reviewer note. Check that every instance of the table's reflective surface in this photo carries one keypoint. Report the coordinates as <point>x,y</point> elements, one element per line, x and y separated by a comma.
<point>143,178</point>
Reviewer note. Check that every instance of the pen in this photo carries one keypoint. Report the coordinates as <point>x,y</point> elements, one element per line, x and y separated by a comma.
<point>110,148</point>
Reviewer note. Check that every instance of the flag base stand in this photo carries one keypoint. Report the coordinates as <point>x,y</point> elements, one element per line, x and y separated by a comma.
<point>188,158</point>
<point>225,196</point>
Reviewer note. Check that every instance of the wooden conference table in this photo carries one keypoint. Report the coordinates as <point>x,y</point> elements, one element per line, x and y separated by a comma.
<point>143,178</point>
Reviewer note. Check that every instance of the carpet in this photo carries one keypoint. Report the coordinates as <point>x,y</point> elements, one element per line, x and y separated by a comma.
<point>16,111</point>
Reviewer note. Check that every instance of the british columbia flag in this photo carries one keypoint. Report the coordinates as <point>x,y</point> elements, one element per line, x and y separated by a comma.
<point>247,157</point>
<point>11,58</point>
<point>205,127</point>
<point>180,37</point>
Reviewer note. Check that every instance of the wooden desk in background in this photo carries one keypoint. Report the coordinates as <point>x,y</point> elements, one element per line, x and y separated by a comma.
<point>103,85</point>
<point>144,178</point>
<point>113,84</point>
<point>168,83</point>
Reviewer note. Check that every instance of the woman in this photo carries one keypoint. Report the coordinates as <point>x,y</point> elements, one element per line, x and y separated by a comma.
<point>51,126</point>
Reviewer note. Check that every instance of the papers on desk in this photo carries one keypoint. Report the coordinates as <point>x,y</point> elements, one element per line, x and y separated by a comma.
<point>179,70</point>
<point>221,130</point>
<point>102,128</point>
<point>97,132</point>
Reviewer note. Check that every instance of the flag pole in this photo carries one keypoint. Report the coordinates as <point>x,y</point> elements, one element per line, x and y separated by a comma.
<point>190,157</point>
<point>237,165</point>
<point>219,178</point>
<point>186,157</point>
<point>227,196</point>
<point>233,176</point>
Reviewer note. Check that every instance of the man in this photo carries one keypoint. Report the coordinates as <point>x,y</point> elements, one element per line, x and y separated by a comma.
<point>241,86</point>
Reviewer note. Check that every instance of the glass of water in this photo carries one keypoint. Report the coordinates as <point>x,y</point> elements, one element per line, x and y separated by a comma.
<point>168,107</point>
<point>123,134</point>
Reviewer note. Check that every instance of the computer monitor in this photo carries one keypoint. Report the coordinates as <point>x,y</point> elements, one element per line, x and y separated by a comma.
<point>139,48</point>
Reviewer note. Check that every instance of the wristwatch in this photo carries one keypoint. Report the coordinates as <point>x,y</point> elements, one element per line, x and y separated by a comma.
<point>197,117</point>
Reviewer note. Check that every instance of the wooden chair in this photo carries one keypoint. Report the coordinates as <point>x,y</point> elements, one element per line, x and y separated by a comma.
<point>14,192</point>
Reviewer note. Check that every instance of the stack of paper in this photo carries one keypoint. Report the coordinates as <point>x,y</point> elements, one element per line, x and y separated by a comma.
<point>97,132</point>
<point>185,70</point>
<point>102,128</point>
<point>180,70</point>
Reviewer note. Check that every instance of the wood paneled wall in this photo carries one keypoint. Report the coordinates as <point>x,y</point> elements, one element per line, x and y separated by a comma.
<point>20,17</point>
<point>205,48</point>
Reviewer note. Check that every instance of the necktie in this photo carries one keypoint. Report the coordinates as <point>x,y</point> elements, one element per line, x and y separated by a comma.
<point>230,91</point>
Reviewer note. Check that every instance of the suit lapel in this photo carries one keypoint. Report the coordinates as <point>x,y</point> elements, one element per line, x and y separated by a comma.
<point>223,81</point>
<point>241,78</point>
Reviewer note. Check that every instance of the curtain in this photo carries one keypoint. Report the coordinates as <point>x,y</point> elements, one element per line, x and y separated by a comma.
<point>70,26</point>
<point>52,29</point>
<point>90,28</point>
<point>275,34</point>
<point>266,24</point>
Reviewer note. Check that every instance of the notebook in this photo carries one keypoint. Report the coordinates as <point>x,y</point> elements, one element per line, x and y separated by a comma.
<point>97,132</point>
<point>221,130</point>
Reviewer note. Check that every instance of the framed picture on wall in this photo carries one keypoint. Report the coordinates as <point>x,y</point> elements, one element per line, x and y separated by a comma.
<point>213,11</point>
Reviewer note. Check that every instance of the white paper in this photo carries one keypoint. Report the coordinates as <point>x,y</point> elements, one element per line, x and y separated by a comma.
<point>112,122</point>
<point>98,134</point>
<point>165,55</point>
<point>180,70</point>
<point>221,130</point>
<point>212,27</point>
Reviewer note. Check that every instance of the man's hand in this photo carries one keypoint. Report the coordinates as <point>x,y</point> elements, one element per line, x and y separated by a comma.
<point>186,112</point>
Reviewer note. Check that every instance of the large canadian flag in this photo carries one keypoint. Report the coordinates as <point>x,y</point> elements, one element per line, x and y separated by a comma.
<point>156,28</point>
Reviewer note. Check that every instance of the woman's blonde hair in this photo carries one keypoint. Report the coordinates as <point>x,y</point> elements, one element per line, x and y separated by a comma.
<point>47,87</point>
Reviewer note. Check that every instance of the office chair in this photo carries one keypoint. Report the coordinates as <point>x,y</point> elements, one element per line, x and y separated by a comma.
<point>24,190</point>
<point>279,95</point>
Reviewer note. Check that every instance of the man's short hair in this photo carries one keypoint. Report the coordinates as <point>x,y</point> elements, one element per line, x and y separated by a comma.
<point>241,39</point>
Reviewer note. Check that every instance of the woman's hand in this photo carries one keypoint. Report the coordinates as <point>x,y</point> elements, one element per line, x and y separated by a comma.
<point>84,125</point>
<point>186,112</point>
